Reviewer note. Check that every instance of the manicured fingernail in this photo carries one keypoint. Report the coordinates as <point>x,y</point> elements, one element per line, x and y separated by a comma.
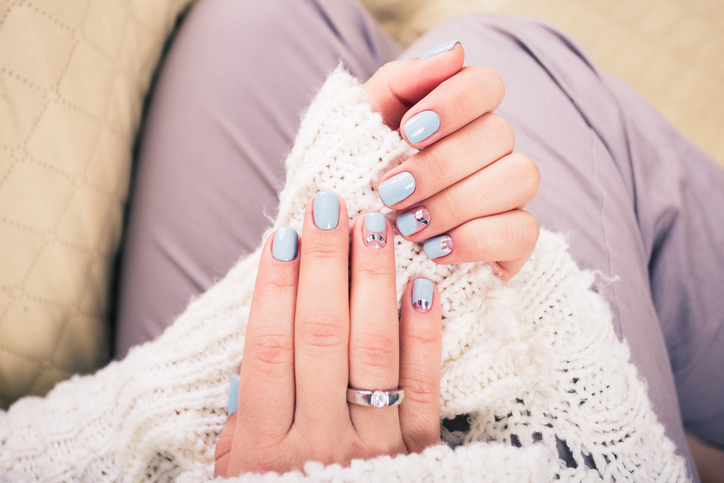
<point>326,210</point>
<point>284,245</point>
<point>373,232</point>
<point>397,188</point>
<point>422,294</point>
<point>440,49</point>
<point>421,126</point>
<point>413,221</point>
<point>438,247</point>
<point>233,394</point>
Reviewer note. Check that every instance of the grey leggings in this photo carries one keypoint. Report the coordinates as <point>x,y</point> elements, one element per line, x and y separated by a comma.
<point>639,204</point>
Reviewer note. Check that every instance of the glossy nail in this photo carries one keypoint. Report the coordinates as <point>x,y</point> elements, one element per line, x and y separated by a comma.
<point>326,210</point>
<point>438,247</point>
<point>422,291</point>
<point>413,221</point>
<point>421,126</point>
<point>284,245</point>
<point>447,46</point>
<point>397,188</point>
<point>233,394</point>
<point>374,230</point>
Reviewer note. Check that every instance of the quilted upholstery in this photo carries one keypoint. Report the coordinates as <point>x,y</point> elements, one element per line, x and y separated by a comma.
<point>670,51</point>
<point>73,75</point>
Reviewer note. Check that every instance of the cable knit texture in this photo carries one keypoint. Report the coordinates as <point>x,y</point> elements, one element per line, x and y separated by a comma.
<point>536,364</point>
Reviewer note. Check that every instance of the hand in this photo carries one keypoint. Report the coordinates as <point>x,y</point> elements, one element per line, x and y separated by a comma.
<point>308,338</point>
<point>465,184</point>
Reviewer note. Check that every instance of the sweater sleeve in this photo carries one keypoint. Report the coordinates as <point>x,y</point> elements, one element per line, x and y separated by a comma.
<point>535,365</point>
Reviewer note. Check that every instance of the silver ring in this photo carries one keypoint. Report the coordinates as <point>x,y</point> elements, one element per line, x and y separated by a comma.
<point>378,399</point>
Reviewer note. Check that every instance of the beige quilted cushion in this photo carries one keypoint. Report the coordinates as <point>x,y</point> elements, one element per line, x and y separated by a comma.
<point>73,74</point>
<point>671,51</point>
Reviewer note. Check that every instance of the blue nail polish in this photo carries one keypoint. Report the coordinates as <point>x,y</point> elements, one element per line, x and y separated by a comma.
<point>375,222</point>
<point>421,126</point>
<point>233,394</point>
<point>284,245</point>
<point>422,294</point>
<point>438,247</point>
<point>413,221</point>
<point>440,49</point>
<point>326,210</point>
<point>397,188</point>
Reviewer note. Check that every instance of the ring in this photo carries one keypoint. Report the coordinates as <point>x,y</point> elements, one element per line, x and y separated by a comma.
<point>378,399</point>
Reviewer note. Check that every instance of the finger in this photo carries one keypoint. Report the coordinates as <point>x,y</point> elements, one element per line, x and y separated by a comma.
<point>222,452</point>
<point>374,345</point>
<point>398,85</point>
<point>420,360</point>
<point>457,101</point>
<point>267,371</point>
<point>506,241</point>
<point>322,318</point>
<point>455,157</point>
<point>509,183</point>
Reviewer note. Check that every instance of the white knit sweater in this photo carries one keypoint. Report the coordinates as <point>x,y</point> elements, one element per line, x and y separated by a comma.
<point>536,364</point>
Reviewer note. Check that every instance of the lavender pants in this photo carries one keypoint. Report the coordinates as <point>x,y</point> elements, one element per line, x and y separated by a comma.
<point>639,204</point>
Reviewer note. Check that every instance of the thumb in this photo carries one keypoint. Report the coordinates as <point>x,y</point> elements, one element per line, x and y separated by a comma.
<point>399,85</point>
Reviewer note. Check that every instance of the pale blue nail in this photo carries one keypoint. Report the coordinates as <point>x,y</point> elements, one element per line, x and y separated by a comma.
<point>422,294</point>
<point>326,210</point>
<point>440,49</point>
<point>284,245</point>
<point>375,222</point>
<point>397,188</point>
<point>438,247</point>
<point>233,394</point>
<point>421,126</point>
<point>406,224</point>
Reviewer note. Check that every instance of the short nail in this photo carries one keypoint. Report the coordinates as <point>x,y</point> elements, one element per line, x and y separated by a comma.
<point>373,231</point>
<point>284,245</point>
<point>413,221</point>
<point>326,210</point>
<point>438,247</point>
<point>440,49</point>
<point>397,188</point>
<point>422,294</point>
<point>421,126</point>
<point>233,394</point>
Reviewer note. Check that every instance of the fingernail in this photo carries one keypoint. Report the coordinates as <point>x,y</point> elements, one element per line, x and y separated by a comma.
<point>438,247</point>
<point>440,49</point>
<point>397,188</point>
<point>284,244</point>
<point>421,126</point>
<point>373,232</point>
<point>233,394</point>
<point>422,294</point>
<point>413,221</point>
<point>326,210</point>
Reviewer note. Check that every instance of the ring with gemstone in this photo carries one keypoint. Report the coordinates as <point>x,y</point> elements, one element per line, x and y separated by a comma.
<point>378,399</point>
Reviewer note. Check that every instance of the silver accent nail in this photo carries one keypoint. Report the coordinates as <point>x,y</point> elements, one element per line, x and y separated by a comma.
<point>424,304</point>
<point>375,237</point>
<point>419,216</point>
<point>444,244</point>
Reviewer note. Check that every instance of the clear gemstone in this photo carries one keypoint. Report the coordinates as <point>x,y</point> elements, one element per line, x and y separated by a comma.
<point>378,399</point>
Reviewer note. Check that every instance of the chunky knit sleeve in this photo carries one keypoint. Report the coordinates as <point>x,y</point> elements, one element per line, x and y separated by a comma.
<point>535,365</point>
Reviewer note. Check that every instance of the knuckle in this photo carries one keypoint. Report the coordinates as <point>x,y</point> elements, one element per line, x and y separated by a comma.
<point>325,251</point>
<point>523,231</point>
<point>451,203</point>
<point>525,177</point>
<point>501,132</point>
<point>269,351</point>
<point>495,88</point>
<point>322,331</point>
<point>278,284</point>
<point>374,272</point>
<point>420,389</point>
<point>375,351</point>
<point>435,162</point>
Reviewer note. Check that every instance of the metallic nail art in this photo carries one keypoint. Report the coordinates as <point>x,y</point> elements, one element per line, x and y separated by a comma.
<point>421,126</point>
<point>373,230</point>
<point>233,394</point>
<point>413,221</point>
<point>438,247</point>
<point>422,292</point>
<point>284,245</point>
<point>397,188</point>
<point>439,49</point>
<point>326,210</point>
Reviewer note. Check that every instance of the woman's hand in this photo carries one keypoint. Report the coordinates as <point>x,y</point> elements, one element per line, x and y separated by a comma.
<point>310,337</point>
<point>464,191</point>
